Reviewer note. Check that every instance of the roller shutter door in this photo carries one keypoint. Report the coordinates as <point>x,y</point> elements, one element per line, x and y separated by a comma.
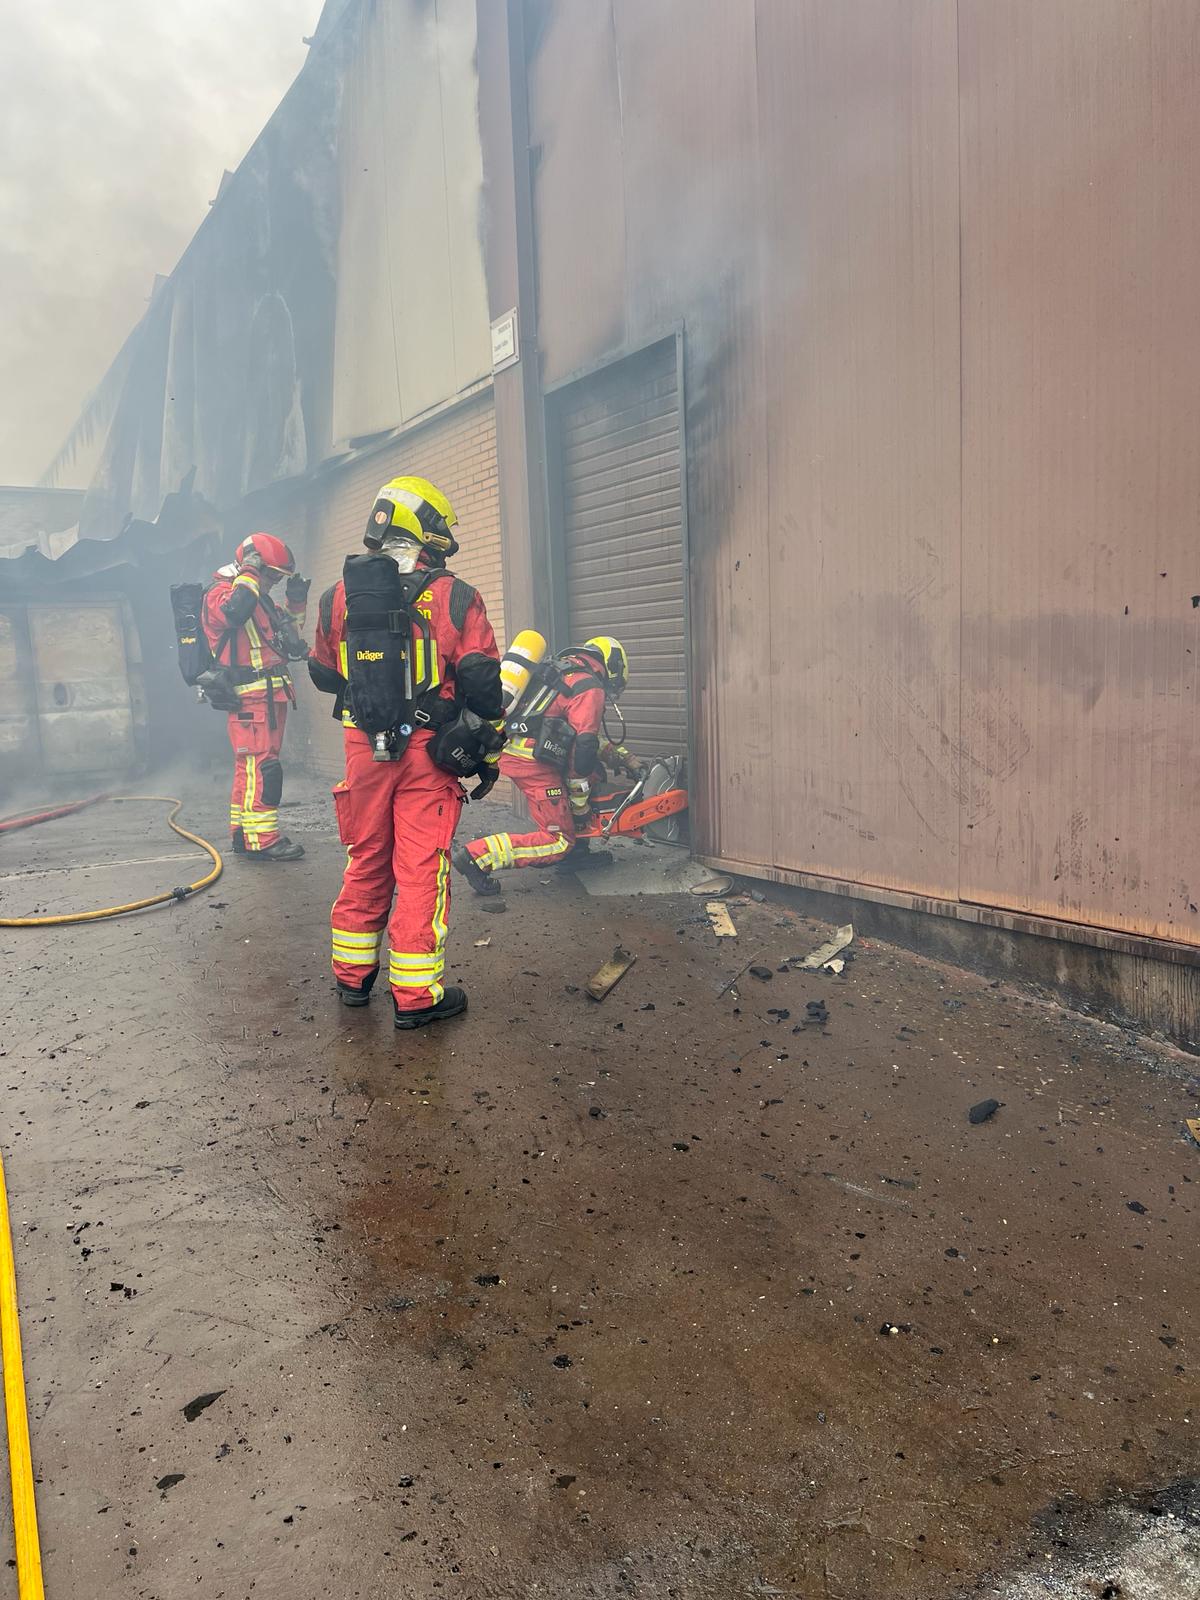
<point>620,509</point>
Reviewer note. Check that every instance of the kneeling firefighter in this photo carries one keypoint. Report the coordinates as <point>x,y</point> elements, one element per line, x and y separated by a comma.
<point>409,652</point>
<point>554,748</point>
<point>251,639</point>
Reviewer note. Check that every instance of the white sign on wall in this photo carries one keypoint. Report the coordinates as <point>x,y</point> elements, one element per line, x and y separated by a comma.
<point>505,351</point>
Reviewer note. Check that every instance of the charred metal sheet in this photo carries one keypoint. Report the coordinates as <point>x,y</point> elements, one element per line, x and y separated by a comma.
<point>229,371</point>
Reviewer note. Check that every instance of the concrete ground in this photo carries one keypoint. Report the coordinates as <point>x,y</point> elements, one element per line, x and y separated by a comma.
<point>684,1294</point>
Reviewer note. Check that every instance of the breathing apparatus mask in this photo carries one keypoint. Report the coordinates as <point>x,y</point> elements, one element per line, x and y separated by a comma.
<point>405,552</point>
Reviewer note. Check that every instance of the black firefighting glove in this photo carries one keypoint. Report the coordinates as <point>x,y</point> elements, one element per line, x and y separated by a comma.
<point>289,640</point>
<point>297,589</point>
<point>487,782</point>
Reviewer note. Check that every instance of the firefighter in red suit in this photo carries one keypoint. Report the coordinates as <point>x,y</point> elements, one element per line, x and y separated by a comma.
<point>397,817</point>
<point>556,785</point>
<point>252,638</point>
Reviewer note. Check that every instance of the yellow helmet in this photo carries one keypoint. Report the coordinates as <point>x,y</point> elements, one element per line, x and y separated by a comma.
<point>412,508</point>
<point>614,659</point>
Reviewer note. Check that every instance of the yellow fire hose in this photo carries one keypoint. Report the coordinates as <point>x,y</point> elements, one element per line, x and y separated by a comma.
<point>20,1463</point>
<point>132,905</point>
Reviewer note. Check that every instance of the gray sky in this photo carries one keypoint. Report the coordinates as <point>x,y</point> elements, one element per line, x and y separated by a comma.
<point>116,120</point>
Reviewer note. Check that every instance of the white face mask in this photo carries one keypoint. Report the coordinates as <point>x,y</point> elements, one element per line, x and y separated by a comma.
<point>404,553</point>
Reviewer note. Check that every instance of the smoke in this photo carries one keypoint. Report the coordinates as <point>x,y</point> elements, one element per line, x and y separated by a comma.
<point>116,122</point>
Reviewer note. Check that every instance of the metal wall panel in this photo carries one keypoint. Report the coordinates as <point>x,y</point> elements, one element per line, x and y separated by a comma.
<point>1081,463</point>
<point>621,506</point>
<point>859,128</point>
<point>939,515</point>
<point>579,205</point>
<point>411,325</point>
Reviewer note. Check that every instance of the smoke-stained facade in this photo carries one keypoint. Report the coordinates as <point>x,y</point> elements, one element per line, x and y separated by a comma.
<point>931,262</point>
<point>929,267</point>
<point>335,292</point>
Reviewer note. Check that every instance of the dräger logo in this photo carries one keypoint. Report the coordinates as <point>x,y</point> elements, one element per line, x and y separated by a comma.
<point>368,655</point>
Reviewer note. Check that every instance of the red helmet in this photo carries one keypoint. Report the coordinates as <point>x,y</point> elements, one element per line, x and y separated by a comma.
<point>264,550</point>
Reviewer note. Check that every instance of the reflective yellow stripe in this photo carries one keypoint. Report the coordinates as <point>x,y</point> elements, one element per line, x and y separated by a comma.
<point>355,958</point>
<point>539,852</point>
<point>502,852</point>
<point>255,638</point>
<point>423,961</point>
<point>498,852</point>
<point>259,685</point>
<point>344,668</point>
<point>368,940</point>
<point>246,580</point>
<point>520,747</point>
<point>251,784</point>
<point>441,904</point>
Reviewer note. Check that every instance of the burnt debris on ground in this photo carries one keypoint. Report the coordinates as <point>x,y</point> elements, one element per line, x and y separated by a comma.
<point>568,1298</point>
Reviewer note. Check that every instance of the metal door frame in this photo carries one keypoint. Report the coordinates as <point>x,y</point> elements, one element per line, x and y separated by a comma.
<point>556,564</point>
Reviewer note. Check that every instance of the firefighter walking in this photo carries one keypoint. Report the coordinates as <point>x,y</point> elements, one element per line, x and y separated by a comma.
<point>252,638</point>
<point>409,652</point>
<point>553,752</point>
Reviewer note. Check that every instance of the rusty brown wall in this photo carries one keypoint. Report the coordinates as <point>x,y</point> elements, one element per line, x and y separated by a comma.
<point>934,262</point>
<point>1081,460</point>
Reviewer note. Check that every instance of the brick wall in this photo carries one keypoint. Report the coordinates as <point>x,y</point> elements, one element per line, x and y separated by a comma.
<point>458,453</point>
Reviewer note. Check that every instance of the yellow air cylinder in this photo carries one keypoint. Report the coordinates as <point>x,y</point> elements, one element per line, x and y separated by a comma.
<point>516,667</point>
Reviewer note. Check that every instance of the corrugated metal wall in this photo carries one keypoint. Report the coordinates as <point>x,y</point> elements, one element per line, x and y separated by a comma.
<point>935,264</point>
<point>617,500</point>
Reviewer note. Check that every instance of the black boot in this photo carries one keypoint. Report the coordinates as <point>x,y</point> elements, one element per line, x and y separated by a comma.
<point>350,996</point>
<point>282,850</point>
<point>581,857</point>
<point>452,1004</point>
<point>480,880</point>
<point>237,842</point>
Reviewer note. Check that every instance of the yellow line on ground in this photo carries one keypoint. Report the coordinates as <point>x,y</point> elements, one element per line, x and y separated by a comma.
<point>20,1462</point>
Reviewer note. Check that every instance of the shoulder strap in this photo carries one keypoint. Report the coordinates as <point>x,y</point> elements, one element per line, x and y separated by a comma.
<point>414,584</point>
<point>225,641</point>
<point>587,681</point>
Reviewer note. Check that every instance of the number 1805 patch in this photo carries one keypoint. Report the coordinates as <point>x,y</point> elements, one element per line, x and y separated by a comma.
<point>553,794</point>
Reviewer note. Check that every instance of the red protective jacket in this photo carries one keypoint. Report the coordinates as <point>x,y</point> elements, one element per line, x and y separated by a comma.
<point>241,624</point>
<point>465,661</point>
<point>583,709</point>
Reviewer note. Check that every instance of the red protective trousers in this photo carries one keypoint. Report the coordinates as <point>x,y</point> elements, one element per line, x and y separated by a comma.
<point>545,791</point>
<point>257,774</point>
<point>396,819</point>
